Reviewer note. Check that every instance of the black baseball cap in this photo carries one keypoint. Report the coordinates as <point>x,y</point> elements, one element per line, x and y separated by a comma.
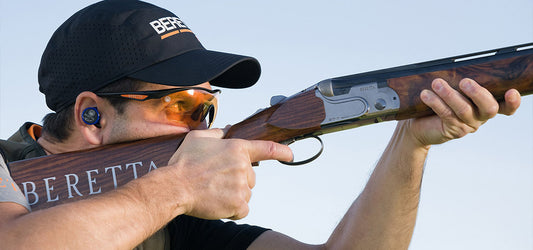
<point>112,39</point>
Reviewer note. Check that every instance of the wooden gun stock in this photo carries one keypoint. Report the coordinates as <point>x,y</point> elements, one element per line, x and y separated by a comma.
<point>55,179</point>
<point>51,180</point>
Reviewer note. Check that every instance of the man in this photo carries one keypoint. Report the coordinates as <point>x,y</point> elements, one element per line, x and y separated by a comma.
<point>99,74</point>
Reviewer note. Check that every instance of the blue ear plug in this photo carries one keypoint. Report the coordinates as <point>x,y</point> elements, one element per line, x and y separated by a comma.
<point>90,116</point>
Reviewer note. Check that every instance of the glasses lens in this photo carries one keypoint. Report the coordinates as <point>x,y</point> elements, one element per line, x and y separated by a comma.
<point>193,107</point>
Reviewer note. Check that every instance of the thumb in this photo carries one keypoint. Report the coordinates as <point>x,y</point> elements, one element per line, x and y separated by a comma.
<point>213,133</point>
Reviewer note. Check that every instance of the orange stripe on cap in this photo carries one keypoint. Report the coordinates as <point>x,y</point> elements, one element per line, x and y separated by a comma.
<point>174,33</point>
<point>135,97</point>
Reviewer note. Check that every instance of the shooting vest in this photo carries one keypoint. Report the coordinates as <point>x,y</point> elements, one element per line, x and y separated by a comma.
<point>22,145</point>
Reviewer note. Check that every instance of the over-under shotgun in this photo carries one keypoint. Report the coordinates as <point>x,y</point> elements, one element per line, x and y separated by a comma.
<point>331,105</point>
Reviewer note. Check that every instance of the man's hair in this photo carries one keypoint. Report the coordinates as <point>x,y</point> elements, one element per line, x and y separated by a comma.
<point>58,126</point>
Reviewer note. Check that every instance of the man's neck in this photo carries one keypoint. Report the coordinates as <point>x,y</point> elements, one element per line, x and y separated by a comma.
<point>53,146</point>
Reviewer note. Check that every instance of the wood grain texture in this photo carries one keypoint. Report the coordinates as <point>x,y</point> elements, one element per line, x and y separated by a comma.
<point>56,179</point>
<point>299,115</point>
<point>497,77</point>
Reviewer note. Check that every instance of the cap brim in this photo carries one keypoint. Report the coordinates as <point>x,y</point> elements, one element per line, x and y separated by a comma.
<point>199,66</point>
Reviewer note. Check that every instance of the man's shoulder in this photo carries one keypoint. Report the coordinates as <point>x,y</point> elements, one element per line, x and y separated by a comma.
<point>22,144</point>
<point>9,191</point>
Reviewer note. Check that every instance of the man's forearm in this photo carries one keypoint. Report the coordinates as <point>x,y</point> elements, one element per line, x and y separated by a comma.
<point>384,214</point>
<point>119,219</point>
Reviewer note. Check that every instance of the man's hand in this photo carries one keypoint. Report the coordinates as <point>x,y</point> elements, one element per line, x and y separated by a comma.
<point>458,114</point>
<point>217,173</point>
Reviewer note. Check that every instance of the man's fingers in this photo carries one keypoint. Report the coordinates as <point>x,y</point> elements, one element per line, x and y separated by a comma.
<point>512,102</point>
<point>459,112</point>
<point>437,104</point>
<point>460,106</point>
<point>251,178</point>
<point>487,106</point>
<point>268,150</point>
<point>243,212</point>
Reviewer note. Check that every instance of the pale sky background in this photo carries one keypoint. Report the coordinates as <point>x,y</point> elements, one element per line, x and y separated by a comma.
<point>477,192</point>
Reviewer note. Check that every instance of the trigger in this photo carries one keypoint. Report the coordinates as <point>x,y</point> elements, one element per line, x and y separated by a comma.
<point>312,158</point>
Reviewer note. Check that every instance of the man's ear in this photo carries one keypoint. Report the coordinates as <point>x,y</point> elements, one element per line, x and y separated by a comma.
<point>89,126</point>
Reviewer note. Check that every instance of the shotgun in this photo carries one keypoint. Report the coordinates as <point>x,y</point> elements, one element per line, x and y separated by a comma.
<point>331,105</point>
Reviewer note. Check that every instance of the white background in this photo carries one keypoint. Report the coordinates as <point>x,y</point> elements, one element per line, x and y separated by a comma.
<point>477,192</point>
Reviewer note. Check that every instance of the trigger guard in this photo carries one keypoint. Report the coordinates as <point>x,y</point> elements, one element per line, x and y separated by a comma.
<point>312,158</point>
